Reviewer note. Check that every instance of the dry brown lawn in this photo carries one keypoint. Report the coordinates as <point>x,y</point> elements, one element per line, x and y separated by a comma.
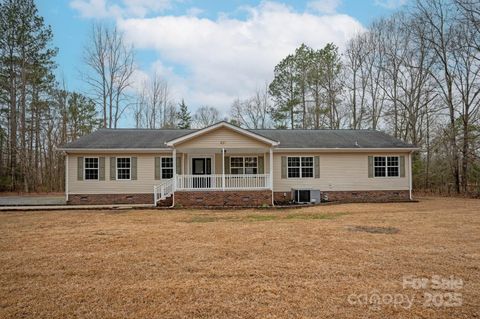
<point>297,263</point>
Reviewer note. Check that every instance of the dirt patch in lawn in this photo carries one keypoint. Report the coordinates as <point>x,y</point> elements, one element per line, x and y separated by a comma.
<point>374,229</point>
<point>305,263</point>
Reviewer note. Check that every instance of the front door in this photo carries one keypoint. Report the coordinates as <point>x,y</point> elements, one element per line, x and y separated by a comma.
<point>201,168</point>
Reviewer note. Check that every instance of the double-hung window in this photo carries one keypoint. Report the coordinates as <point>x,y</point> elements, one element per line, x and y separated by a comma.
<point>244,165</point>
<point>300,166</point>
<point>386,166</point>
<point>91,168</point>
<point>166,167</point>
<point>123,168</point>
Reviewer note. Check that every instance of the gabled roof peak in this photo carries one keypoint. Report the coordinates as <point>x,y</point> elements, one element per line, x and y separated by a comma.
<point>220,125</point>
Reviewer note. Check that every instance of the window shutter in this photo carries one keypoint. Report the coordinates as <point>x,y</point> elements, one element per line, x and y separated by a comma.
<point>316,162</point>
<point>113,168</point>
<point>179,165</point>
<point>227,164</point>
<point>157,168</point>
<point>284,167</point>
<point>101,168</point>
<point>133,169</point>
<point>261,165</point>
<point>80,168</point>
<point>370,166</point>
<point>402,166</point>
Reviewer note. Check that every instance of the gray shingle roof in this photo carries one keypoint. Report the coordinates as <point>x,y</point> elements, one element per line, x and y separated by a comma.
<point>151,138</point>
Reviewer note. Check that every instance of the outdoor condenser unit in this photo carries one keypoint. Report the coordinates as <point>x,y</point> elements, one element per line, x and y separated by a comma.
<point>306,196</point>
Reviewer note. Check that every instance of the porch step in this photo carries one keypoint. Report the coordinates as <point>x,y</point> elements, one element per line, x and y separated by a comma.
<point>166,196</point>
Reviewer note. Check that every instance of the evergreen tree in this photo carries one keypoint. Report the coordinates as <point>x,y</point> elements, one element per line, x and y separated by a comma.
<point>285,93</point>
<point>82,115</point>
<point>26,70</point>
<point>184,117</point>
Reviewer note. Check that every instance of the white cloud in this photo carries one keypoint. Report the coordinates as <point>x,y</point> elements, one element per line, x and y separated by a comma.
<point>124,8</point>
<point>324,6</point>
<point>194,11</point>
<point>227,57</point>
<point>390,4</point>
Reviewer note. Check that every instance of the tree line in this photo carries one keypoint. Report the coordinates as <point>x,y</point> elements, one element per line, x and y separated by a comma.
<point>414,75</point>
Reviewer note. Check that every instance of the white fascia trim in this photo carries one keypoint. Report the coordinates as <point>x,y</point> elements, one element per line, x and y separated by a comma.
<point>114,150</point>
<point>218,125</point>
<point>339,150</point>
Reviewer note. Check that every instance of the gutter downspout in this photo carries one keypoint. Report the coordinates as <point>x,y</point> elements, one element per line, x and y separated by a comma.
<point>66,178</point>
<point>271,174</point>
<point>174,159</point>
<point>410,175</point>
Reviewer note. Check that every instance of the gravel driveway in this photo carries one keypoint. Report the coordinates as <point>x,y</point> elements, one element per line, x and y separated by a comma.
<point>32,200</point>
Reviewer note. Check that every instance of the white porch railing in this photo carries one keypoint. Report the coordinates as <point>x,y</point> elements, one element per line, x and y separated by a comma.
<point>219,181</point>
<point>210,182</point>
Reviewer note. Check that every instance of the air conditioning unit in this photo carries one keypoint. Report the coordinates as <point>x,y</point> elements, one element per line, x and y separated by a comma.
<point>303,196</point>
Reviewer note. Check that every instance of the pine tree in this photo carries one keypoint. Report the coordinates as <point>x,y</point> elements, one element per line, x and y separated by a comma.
<point>82,115</point>
<point>26,70</point>
<point>184,117</point>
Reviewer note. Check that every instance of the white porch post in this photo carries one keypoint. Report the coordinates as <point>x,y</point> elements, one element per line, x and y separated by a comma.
<point>183,168</point>
<point>271,168</point>
<point>174,155</point>
<point>223,169</point>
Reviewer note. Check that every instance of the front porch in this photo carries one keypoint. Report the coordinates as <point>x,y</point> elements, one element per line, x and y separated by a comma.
<point>220,158</point>
<point>197,170</point>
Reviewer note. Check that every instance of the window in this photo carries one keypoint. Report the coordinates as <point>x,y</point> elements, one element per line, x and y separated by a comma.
<point>244,165</point>
<point>386,166</point>
<point>91,168</point>
<point>166,167</point>
<point>123,168</point>
<point>300,167</point>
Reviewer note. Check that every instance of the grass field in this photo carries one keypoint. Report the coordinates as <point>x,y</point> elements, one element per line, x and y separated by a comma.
<point>314,262</point>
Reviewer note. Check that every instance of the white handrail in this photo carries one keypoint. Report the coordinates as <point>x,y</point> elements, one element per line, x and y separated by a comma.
<point>163,190</point>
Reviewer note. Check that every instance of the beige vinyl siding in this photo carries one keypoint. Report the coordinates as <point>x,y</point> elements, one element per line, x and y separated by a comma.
<point>143,184</point>
<point>222,138</point>
<point>340,172</point>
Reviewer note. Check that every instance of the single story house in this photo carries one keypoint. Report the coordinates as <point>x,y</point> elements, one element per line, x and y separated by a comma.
<point>225,165</point>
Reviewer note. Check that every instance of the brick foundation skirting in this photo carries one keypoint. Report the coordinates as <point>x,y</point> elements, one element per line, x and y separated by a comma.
<point>233,198</point>
<point>109,199</point>
<point>351,196</point>
<point>223,198</point>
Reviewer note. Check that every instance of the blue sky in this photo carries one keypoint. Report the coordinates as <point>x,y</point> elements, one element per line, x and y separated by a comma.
<point>209,52</point>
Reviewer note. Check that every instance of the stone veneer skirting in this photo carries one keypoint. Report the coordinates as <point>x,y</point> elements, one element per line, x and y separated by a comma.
<point>223,198</point>
<point>111,199</point>
<point>352,196</point>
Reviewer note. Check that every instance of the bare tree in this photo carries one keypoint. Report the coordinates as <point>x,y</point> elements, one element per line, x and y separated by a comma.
<point>205,116</point>
<point>437,16</point>
<point>111,65</point>
<point>252,112</point>
<point>153,106</point>
<point>466,82</point>
<point>470,16</point>
<point>356,79</point>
